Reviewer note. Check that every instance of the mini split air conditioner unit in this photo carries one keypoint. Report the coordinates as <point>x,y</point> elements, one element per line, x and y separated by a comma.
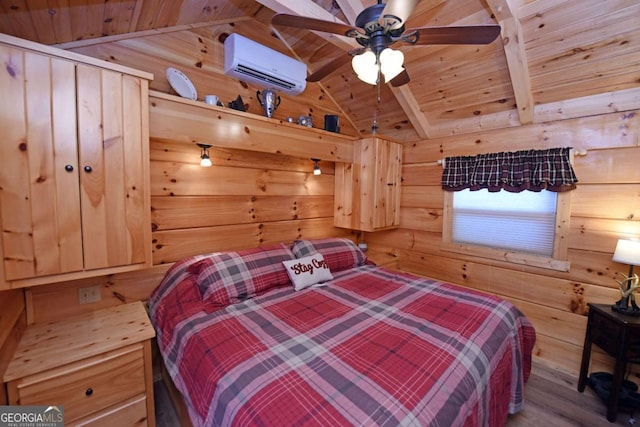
<point>254,63</point>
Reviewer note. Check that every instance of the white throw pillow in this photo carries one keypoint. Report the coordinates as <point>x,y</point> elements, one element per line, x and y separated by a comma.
<point>307,271</point>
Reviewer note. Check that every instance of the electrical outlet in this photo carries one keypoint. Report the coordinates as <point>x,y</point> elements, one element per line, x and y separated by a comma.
<point>89,294</point>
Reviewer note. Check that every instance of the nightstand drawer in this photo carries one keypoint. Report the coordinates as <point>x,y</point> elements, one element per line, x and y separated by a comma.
<point>88,385</point>
<point>606,334</point>
<point>132,413</point>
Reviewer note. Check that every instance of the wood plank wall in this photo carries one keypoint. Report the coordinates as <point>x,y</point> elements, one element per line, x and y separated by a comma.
<point>605,207</point>
<point>247,199</point>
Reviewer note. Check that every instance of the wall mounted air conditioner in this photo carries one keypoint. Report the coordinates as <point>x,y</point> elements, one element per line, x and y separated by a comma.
<point>254,63</point>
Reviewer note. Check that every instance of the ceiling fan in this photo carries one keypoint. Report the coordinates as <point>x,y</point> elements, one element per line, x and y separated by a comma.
<point>376,28</point>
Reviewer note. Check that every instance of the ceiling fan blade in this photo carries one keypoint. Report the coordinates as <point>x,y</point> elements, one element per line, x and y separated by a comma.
<point>475,34</point>
<point>305,23</point>
<point>328,68</point>
<point>401,79</point>
<point>332,65</point>
<point>396,13</point>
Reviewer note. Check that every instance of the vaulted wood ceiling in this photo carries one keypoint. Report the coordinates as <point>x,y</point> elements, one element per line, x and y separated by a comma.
<point>554,59</point>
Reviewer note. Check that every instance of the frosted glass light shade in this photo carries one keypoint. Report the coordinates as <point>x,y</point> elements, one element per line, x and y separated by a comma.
<point>205,161</point>
<point>627,252</point>
<point>366,67</point>
<point>391,63</point>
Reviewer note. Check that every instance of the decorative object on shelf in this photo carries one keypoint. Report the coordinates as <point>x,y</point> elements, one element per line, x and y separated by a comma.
<point>305,121</point>
<point>181,84</point>
<point>211,99</point>
<point>237,104</point>
<point>205,160</point>
<point>331,123</point>
<point>316,166</point>
<point>269,101</point>
<point>627,252</point>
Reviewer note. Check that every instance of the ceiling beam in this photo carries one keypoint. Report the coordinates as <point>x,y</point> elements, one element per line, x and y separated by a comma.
<point>350,9</point>
<point>309,9</point>
<point>513,41</point>
<point>144,33</point>
<point>412,109</point>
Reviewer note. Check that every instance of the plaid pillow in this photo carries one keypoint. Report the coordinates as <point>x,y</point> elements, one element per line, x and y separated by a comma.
<point>339,253</point>
<point>228,277</point>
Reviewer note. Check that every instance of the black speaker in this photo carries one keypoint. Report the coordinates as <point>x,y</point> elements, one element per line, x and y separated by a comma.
<point>331,123</point>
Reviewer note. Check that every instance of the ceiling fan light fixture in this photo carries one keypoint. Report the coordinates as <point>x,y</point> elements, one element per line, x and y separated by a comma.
<point>366,67</point>
<point>391,63</point>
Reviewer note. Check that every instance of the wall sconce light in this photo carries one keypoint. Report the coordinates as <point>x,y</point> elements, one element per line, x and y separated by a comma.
<point>628,252</point>
<point>205,160</point>
<point>369,64</point>
<point>316,166</point>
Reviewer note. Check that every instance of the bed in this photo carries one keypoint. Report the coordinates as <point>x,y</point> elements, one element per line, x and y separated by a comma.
<point>313,333</point>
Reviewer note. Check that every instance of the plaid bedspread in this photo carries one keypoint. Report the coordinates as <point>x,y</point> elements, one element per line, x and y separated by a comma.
<point>371,347</point>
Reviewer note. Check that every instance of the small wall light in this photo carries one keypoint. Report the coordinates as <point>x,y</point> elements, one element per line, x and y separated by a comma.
<point>316,166</point>
<point>205,161</point>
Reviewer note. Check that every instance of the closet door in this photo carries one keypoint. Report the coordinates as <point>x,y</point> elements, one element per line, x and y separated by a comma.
<point>39,203</point>
<point>111,172</point>
<point>387,188</point>
<point>367,192</point>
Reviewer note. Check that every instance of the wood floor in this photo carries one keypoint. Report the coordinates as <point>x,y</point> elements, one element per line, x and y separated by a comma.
<point>552,400</point>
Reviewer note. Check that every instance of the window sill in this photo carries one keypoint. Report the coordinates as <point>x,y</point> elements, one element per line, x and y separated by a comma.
<point>506,256</point>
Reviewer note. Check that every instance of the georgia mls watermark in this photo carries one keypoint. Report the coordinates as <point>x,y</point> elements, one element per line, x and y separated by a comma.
<point>31,416</point>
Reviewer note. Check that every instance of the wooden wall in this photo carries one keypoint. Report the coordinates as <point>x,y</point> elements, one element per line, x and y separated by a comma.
<point>247,199</point>
<point>12,323</point>
<point>605,207</point>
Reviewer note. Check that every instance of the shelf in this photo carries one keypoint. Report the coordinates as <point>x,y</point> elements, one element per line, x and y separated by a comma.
<point>179,119</point>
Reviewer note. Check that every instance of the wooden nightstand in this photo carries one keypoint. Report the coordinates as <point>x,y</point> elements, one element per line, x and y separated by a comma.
<point>619,336</point>
<point>97,365</point>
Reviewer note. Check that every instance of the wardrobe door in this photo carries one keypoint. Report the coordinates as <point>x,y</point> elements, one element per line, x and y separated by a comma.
<point>39,197</point>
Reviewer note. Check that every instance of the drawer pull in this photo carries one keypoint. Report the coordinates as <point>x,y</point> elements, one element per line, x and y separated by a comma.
<point>68,168</point>
<point>88,169</point>
<point>89,391</point>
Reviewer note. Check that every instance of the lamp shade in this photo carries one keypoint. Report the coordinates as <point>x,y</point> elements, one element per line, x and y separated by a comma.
<point>627,252</point>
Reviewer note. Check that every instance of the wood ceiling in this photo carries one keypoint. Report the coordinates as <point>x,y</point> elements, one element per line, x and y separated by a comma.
<point>555,59</point>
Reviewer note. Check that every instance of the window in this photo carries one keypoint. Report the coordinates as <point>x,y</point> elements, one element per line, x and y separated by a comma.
<point>510,206</point>
<point>525,228</point>
<point>522,222</point>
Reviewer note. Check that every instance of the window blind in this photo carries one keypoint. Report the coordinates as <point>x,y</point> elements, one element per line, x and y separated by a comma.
<point>520,222</point>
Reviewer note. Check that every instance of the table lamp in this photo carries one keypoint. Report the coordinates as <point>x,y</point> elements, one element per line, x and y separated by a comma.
<point>628,252</point>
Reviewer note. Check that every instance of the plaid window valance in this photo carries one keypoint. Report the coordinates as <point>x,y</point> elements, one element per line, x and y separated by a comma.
<point>515,171</point>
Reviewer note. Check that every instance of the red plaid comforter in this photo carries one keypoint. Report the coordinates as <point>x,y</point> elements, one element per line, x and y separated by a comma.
<point>372,347</point>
